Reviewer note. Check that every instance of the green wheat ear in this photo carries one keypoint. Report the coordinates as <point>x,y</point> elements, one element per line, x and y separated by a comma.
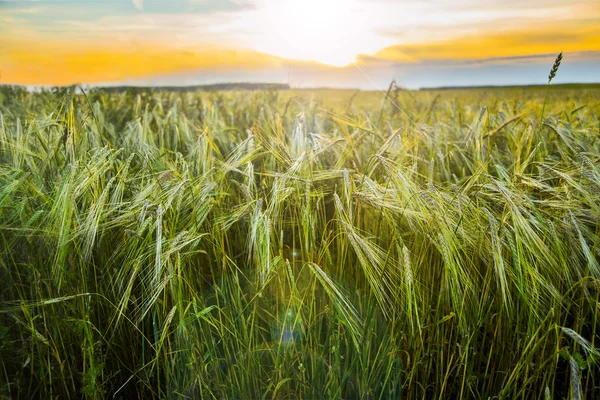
<point>554,69</point>
<point>551,76</point>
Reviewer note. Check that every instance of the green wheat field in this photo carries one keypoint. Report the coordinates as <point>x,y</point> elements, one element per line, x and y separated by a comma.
<point>300,244</point>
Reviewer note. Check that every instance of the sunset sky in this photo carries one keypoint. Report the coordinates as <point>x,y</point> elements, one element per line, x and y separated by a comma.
<point>336,43</point>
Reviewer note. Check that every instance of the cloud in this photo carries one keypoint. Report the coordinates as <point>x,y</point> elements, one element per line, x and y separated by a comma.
<point>139,4</point>
<point>578,36</point>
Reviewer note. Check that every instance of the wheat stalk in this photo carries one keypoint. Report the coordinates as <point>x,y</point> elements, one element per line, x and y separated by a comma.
<point>555,67</point>
<point>551,76</point>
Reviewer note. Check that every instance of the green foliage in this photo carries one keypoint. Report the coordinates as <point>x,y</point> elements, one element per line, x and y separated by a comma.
<point>297,244</point>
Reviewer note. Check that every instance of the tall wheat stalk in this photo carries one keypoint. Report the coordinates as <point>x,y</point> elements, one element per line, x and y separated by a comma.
<point>551,76</point>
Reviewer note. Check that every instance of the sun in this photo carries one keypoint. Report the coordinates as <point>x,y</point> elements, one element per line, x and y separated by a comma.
<point>327,31</point>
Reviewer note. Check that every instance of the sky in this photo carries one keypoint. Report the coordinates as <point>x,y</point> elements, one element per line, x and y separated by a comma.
<point>310,43</point>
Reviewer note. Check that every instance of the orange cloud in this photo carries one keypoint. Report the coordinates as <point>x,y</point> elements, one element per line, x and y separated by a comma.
<point>573,37</point>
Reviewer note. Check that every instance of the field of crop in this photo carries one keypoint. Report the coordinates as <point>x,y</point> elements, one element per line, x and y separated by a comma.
<point>300,244</point>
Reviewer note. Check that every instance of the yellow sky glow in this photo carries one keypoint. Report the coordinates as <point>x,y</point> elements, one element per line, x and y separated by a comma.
<point>60,63</point>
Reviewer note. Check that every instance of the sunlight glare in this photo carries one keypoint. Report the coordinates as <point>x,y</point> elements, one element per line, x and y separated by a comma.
<point>327,31</point>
